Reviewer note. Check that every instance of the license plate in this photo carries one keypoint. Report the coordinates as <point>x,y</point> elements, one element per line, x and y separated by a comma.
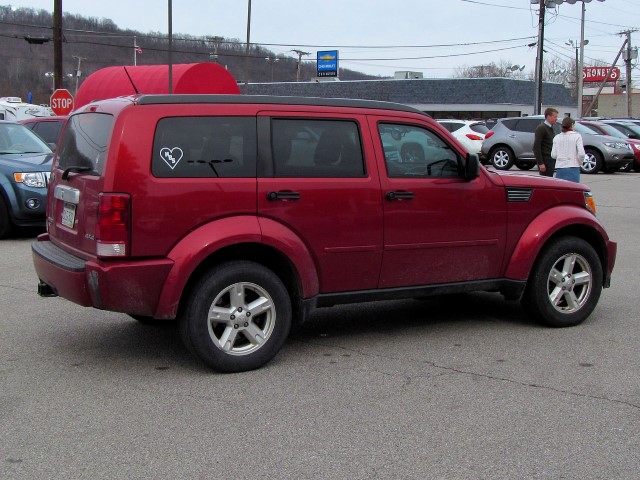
<point>68,215</point>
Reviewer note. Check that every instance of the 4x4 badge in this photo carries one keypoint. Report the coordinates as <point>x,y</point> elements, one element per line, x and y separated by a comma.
<point>171,156</point>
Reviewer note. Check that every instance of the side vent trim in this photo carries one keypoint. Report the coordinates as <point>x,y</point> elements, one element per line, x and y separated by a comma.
<point>519,194</point>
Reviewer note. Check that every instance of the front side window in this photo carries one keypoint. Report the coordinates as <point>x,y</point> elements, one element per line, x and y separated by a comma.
<point>412,151</point>
<point>316,148</point>
<point>204,147</point>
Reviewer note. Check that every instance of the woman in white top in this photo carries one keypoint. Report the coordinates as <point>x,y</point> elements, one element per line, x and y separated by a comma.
<point>568,151</point>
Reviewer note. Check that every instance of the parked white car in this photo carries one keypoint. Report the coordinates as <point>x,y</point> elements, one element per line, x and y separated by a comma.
<point>469,132</point>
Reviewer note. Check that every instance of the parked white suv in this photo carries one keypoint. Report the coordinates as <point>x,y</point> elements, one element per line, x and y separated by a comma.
<point>470,133</point>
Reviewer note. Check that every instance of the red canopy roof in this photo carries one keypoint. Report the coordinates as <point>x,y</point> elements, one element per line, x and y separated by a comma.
<point>186,78</point>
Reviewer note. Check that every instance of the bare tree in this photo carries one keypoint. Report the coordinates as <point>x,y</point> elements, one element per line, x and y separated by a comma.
<point>502,69</point>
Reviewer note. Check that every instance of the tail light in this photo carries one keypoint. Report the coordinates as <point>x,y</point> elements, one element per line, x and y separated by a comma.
<point>472,136</point>
<point>114,225</point>
<point>489,134</point>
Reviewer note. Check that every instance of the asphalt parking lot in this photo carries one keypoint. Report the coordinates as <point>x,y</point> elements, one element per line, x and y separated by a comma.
<point>460,387</point>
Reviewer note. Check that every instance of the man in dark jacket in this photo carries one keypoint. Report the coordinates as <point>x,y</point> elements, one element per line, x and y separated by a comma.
<point>543,143</point>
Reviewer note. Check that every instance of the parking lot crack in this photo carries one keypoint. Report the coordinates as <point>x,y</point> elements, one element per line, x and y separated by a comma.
<point>11,287</point>
<point>534,385</point>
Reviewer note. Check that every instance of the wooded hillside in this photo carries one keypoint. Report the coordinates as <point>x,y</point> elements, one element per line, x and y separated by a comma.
<point>26,37</point>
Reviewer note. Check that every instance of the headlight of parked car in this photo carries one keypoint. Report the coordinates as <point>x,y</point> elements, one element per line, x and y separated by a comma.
<point>622,145</point>
<point>31,179</point>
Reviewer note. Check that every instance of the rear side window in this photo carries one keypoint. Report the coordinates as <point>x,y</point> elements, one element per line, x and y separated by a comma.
<point>528,125</point>
<point>510,124</point>
<point>316,148</point>
<point>85,141</point>
<point>205,147</point>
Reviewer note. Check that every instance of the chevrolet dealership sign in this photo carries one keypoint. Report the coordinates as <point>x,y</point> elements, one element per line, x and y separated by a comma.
<point>327,63</point>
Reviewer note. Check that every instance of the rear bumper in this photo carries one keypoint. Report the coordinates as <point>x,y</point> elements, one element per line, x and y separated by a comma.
<point>126,286</point>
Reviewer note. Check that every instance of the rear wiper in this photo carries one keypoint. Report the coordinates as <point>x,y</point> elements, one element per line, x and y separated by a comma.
<point>68,170</point>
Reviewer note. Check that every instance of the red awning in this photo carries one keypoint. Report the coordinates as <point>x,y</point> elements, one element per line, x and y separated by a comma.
<point>186,78</point>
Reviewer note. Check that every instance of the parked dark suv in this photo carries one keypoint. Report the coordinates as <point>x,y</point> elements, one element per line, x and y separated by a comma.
<point>25,164</point>
<point>510,142</point>
<point>238,215</point>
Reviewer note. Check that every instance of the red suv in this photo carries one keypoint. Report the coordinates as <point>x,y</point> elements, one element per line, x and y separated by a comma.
<point>238,215</point>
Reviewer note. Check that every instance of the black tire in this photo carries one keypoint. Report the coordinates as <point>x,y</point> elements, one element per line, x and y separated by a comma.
<point>593,161</point>
<point>565,283</point>
<point>5,220</point>
<point>256,325</point>
<point>525,165</point>
<point>502,158</point>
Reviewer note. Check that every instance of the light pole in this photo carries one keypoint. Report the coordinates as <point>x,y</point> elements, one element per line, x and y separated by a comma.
<point>576,46</point>
<point>552,4</point>
<point>53,80</point>
<point>271,61</point>
<point>582,44</point>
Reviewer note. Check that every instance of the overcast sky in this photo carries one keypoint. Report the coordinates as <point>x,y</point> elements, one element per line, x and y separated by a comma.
<point>370,34</point>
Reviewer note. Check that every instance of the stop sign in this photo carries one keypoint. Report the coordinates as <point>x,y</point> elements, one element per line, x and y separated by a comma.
<point>62,102</point>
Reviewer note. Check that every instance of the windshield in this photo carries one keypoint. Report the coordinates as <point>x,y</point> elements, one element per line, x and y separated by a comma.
<point>614,132</point>
<point>18,139</point>
<point>633,127</point>
<point>580,128</point>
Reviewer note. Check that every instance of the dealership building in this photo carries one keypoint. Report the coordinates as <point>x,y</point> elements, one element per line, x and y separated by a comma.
<point>464,98</point>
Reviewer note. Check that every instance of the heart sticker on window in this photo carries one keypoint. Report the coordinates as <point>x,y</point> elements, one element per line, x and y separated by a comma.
<point>171,156</point>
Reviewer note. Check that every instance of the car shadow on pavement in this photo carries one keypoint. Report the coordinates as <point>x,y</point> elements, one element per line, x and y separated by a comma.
<point>121,340</point>
<point>441,311</point>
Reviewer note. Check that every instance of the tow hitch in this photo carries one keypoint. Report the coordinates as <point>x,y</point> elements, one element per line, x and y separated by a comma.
<point>45,290</point>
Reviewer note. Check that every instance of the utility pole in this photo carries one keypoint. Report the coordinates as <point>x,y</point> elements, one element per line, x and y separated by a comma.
<point>170,32</point>
<point>300,53</point>
<point>627,61</point>
<point>78,72</point>
<point>248,49</point>
<point>606,78</point>
<point>538,91</point>
<point>215,41</point>
<point>57,44</point>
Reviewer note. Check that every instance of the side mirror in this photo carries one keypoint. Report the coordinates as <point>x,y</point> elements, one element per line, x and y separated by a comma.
<point>471,167</point>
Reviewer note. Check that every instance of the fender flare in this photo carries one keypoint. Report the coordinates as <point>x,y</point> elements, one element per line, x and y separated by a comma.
<point>204,241</point>
<point>541,229</point>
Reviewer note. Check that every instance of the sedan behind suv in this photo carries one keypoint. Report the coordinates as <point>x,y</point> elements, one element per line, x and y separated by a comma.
<point>608,129</point>
<point>510,142</point>
<point>25,164</point>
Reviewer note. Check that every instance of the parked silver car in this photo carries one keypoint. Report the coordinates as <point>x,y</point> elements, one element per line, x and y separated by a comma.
<point>510,142</point>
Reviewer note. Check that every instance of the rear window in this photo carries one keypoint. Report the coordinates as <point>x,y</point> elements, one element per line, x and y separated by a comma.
<point>479,128</point>
<point>84,142</point>
<point>452,126</point>
<point>205,147</point>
